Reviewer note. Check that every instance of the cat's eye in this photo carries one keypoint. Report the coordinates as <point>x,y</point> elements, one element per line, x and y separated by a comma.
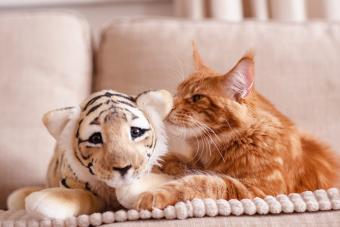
<point>96,138</point>
<point>196,97</point>
<point>136,132</point>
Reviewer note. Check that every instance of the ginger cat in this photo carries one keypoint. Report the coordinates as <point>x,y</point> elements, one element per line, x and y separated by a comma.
<point>238,143</point>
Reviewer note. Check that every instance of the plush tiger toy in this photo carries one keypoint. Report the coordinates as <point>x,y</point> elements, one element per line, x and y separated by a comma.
<point>107,142</point>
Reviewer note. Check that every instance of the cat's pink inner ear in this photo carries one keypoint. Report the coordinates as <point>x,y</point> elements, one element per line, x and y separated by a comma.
<point>240,79</point>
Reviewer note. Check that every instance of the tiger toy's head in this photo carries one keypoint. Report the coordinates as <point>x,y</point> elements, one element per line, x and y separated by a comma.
<point>112,137</point>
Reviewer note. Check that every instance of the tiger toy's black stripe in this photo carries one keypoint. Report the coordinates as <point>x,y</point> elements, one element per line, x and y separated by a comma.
<point>94,108</point>
<point>64,183</point>
<point>90,169</point>
<point>108,94</point>
<point>77,134</point>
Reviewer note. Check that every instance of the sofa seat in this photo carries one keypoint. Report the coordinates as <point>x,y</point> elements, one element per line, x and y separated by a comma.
<point>313,219</point>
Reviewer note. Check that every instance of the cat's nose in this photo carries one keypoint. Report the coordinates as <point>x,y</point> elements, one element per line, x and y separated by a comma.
<point>122,170</point>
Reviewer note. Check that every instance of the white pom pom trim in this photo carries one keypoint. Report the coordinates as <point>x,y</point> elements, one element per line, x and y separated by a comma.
<point>305,202</point>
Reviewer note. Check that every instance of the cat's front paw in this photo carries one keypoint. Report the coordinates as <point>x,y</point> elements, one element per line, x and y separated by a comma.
<point>156,199</point>
<point>45,204</point>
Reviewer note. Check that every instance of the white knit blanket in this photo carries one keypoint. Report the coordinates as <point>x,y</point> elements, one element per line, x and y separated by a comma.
<point>304,202</point>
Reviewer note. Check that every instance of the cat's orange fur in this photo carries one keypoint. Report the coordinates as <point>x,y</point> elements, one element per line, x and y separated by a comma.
<point>252,149</point>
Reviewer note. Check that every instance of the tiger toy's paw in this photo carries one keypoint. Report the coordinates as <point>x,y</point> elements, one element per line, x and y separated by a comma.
<point>47,205</point>
<point>16,200</point>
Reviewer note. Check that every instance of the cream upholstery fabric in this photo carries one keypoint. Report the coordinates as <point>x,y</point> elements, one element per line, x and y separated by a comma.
<point>45,63</point>
<point>297,65</point>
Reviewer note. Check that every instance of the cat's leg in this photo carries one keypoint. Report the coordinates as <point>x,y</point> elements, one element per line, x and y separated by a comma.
<point>127,196</point>
<point>62,202</point>
<point>198,186</point>
<point>16,200</point>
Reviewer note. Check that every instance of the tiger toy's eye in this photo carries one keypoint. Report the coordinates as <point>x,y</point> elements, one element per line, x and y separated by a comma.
<point>196,97</point>
<point>96,138</point>
<point>136,132</point>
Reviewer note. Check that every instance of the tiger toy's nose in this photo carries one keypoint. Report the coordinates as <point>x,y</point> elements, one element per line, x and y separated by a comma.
<point>123,170</point>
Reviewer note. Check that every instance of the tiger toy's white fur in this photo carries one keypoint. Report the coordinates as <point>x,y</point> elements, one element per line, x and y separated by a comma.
<point>110,141</point>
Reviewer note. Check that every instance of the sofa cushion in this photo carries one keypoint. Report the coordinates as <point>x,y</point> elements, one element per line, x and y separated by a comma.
<point>45,63</point>
<point>297,65</point>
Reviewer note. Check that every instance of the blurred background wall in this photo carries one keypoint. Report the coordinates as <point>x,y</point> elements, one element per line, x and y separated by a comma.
<point>100,12</point>
<point>97,12</point>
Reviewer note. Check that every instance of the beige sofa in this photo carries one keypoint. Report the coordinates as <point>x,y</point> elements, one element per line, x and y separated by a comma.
<point>47,61</point>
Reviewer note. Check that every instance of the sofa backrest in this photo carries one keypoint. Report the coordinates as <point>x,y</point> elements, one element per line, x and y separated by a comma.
<point>297,64</point>
<point>45,63</point>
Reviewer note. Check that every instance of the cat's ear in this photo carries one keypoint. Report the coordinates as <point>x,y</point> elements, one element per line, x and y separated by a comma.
<point>199,65</point>
<point>239,80</point>
<point>56,120</point>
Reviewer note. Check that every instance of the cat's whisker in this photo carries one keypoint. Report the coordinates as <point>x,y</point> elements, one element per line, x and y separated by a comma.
<point>207,127</point>
<point>198,145</point>
<point>206,130</point>
<point>198,153</point>
<point>184,134</point>
<point>203,125</point>
<point>204,133</point>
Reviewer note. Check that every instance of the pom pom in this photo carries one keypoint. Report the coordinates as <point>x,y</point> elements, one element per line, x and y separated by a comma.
<point>286,204</point>
<point>96,219</point>
<point>71,222</point>
<point>274,205</point>
<point>108,217</point>
<point>236,207</point>
<point>210,207</point>
<point>322,198</point>
<point>170,212</point>
<point>248,206</point>
<point>132,215</point>
<point>198,208</point>
<point>334,195</point>
<point>312,204</point>
<point>83,220</point>
<point>223,206</point>
<point>120,216</point>
<point>190,209</point>
<point>157,213</point>
<point>261,206</point>
<point>299,204</point>
<point>181,210</point>
<point>145,214</point>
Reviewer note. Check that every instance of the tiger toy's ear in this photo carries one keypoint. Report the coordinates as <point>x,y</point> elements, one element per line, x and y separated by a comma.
<point>56,120</point>
<point>160,101</point>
